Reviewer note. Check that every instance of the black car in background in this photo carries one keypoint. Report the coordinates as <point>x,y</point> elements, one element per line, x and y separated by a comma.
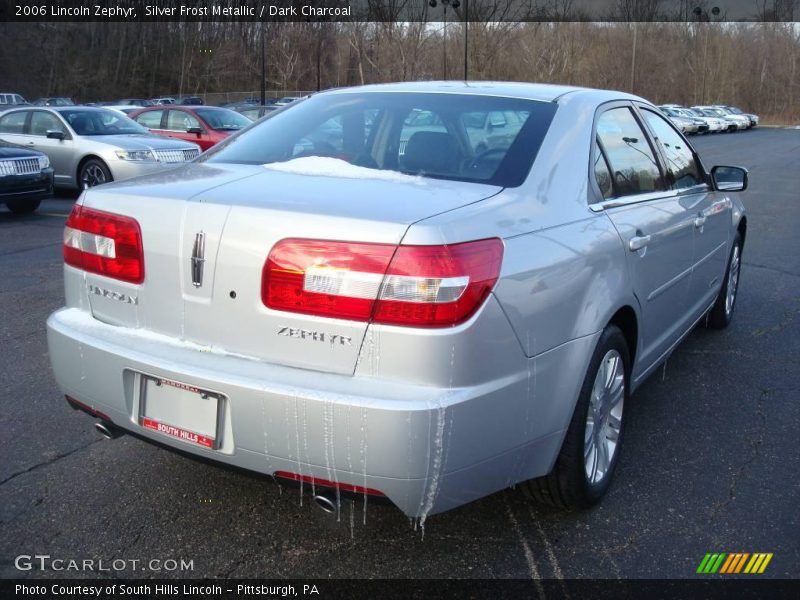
<point>189,101</point>
<point>26,178</point>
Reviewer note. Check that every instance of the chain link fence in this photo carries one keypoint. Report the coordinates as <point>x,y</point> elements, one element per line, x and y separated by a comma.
<point>221,98</point>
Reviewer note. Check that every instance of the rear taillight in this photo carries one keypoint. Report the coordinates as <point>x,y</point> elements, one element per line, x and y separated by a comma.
<point>417,286</point>
<point>104,243</point>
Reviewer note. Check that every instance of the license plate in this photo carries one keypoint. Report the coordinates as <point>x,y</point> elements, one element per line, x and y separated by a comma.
<point>180,411</point>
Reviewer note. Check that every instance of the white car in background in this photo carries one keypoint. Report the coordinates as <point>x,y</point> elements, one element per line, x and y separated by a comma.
<point>733,112</point>
<point>735,122</point>
<point>715,124</point>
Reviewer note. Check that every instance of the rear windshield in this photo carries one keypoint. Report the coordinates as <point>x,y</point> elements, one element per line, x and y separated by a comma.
<point>482,139</point>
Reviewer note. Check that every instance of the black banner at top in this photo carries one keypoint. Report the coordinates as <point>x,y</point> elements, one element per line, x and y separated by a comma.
<point>396,10</point>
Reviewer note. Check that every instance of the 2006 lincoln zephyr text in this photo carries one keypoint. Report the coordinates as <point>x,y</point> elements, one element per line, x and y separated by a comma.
<point>427,292</point>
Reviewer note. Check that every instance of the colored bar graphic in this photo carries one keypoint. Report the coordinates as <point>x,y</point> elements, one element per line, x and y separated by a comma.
<point>717,564</point>
<point>764,564</point>
<point>732,559</point>
<point>703,563</point>
<point>734,562</point>
<point>741,562</point>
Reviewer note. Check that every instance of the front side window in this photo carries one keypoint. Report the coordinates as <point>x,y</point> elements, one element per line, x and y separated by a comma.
<point>13,123</point>
<point>424,134</point>
<point>634,169</point>
<point>42,122</point>
<point>683,168</point>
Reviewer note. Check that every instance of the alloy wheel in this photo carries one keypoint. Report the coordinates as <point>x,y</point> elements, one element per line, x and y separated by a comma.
<point>604,417</point>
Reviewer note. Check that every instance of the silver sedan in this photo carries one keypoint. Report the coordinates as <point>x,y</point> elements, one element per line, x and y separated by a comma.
<point>431,325</point>
<point>89,146</point>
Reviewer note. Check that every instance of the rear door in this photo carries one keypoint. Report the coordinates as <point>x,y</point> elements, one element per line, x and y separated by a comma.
<point>654,222</point>
<point>13,126</point>
<point>711,211</point>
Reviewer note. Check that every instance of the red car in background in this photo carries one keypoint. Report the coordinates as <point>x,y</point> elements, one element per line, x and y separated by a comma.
<point>203,125</point>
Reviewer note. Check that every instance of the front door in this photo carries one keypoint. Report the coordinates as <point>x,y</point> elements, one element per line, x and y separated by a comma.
<point>711,212</point>
<point>60,152</point>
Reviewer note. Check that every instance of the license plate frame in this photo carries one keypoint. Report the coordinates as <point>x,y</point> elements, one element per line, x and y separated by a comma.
<point>151,420</point>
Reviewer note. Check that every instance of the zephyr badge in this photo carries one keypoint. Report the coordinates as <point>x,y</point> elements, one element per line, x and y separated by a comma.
<point>198,258</point>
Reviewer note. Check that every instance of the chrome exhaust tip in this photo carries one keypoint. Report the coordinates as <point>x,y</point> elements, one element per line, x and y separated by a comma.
<point>108,430</point>
<point>326,503</point>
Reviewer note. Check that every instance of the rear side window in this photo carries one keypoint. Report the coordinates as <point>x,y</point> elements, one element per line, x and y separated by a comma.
<point>683,168</point>
<point>13,123</point>
<point>482,139</point>
<point>634,169</point>
<point>150,119</point>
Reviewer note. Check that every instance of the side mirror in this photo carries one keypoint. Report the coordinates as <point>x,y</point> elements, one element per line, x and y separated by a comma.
<point>729,179</point>
<point>54,134</point>
<point>197,130</point>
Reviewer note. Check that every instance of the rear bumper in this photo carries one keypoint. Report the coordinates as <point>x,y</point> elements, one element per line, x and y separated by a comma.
<point>428,449</point>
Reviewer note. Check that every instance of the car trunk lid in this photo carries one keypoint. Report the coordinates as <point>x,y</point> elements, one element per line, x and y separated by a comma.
<point>206,237</point>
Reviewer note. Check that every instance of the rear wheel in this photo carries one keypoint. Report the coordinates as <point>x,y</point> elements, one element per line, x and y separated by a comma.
<point>585,466</point>
<point>20,207</point>
<point>92,173</point>
<point>721,313</point>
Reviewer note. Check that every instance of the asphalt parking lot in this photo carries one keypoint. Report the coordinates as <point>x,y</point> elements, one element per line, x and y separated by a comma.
<point>710,463</point>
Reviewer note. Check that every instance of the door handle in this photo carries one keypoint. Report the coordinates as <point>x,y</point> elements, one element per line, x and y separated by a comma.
<point>31,143</point>
<point>638,242</point>
<point>700,221</point>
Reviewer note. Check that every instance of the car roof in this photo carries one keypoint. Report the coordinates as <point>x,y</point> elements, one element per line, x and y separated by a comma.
<point>73,107</point>
<point>533,91</point>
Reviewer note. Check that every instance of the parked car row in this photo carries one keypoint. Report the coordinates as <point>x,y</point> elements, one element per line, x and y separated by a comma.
<point>87,146</point>
<point>708,119</point>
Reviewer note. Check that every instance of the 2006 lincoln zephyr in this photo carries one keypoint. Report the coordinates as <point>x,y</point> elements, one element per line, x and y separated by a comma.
<point>427,292</point>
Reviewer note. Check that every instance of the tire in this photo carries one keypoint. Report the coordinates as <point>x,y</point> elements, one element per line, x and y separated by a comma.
<point>21,207</point>
<point>576,480</point>
<point>721,313</point>
<point>92,173</point>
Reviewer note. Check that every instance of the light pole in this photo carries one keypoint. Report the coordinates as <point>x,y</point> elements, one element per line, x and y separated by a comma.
<point>455,4</point>
<point>263,69</point>
<point>702,15</point>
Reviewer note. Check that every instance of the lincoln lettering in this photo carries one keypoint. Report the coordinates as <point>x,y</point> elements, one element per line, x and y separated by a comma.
<point>317,336</point>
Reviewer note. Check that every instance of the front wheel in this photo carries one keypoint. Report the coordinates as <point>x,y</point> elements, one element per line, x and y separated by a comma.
<point>20,207</point>
<point>94,172</point>
<point>585,466</point>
